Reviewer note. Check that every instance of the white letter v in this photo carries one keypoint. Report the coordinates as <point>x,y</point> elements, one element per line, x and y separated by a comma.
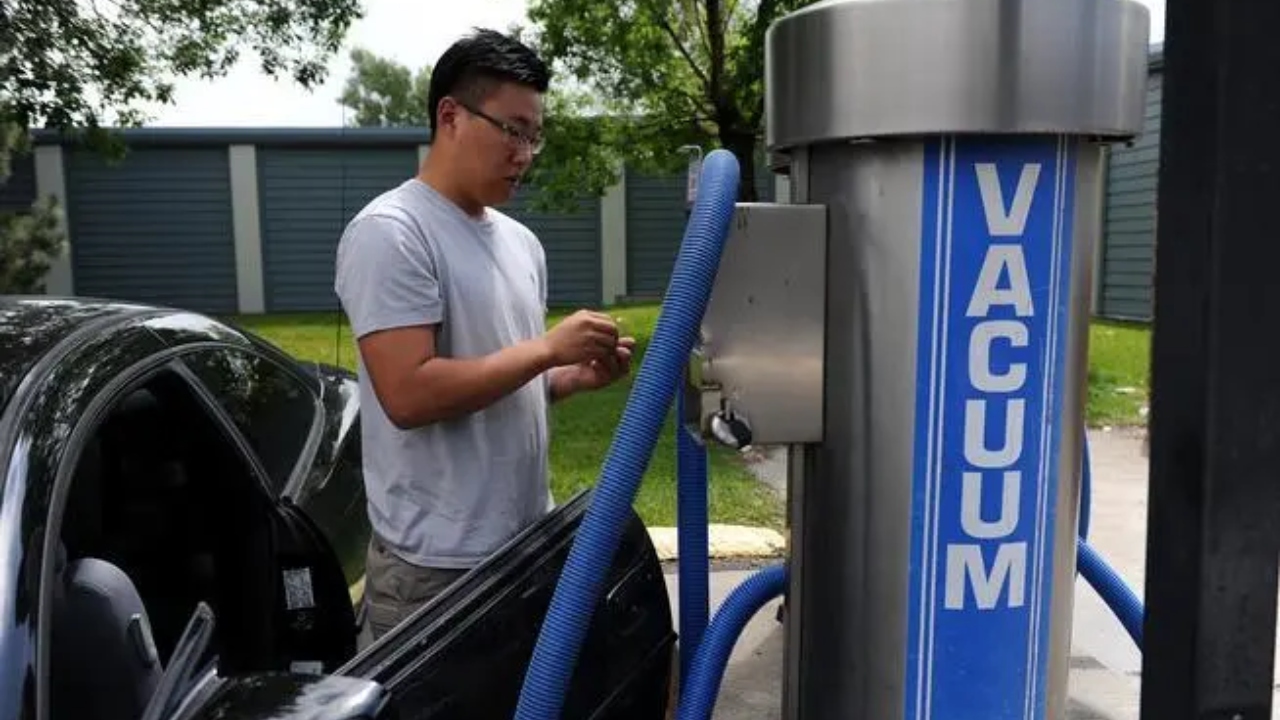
<point>999,221</point>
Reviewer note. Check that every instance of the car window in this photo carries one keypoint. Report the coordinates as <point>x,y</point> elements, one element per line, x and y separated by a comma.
<point>337,506</point>
<point>271,406</point>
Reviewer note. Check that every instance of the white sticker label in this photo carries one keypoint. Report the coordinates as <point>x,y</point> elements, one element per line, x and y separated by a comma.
<point>297,589</point>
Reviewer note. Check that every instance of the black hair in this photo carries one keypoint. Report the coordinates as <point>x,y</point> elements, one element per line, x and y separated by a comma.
<point>472,67</point>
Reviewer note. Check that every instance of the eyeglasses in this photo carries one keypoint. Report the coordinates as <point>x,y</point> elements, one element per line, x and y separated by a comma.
<point>515,135</point>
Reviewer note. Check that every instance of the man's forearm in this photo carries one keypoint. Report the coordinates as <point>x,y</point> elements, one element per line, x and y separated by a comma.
<point>444,388</point>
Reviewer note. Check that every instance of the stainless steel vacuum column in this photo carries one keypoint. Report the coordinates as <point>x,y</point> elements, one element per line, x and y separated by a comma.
<point>957,148</point>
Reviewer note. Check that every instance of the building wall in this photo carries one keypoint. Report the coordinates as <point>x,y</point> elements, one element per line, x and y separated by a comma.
<point>656,224</point>
<point>247,221</point>
<point>1129,220</point>
<point>155,227</point>
<point>306,196</point>
<point>572,243</point>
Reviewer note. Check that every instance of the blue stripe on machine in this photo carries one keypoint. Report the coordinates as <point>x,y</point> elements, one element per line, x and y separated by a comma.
<point>994,279</point>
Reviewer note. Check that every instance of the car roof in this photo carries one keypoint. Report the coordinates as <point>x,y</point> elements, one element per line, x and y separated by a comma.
<point>32,326</point>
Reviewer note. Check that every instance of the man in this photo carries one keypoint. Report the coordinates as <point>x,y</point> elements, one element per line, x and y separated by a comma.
<point>446,297</point>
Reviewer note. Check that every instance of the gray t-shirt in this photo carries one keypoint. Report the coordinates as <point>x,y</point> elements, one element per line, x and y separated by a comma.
<point>449,494</point>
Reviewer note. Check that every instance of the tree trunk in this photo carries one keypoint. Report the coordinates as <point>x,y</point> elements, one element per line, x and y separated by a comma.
<point>743,146</point>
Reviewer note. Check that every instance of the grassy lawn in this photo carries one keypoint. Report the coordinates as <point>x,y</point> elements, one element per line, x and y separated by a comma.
<point>1119,372</point>
<point>582,427</point>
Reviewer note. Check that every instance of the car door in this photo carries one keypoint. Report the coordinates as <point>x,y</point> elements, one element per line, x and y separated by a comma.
<point>464,655</point>
<point>277,413</point>
<point>332,491</point>
<point>34,446</point>
<point>303,426</point>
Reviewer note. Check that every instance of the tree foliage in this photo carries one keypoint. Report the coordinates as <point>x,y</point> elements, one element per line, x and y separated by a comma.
<point>30,241</point>
<point>381,92</point>
<point>82,66</point>
<point>687,71</point>
<point>635,82</point>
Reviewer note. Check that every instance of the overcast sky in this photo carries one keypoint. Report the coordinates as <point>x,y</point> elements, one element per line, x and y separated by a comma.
<point>414,32</point>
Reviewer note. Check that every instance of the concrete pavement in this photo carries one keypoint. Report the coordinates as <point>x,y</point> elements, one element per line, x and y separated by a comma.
<point>752,685</point>
<point>1105,665</point>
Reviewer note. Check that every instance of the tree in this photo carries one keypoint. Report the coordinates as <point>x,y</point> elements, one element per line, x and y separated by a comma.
<point>576,161</point>
<point>686,71</point>
<point>76,66</point>
<point>384,93</point>
<point>29,241</point>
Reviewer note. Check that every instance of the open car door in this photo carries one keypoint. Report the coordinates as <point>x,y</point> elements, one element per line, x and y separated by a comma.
<point>464,655</point>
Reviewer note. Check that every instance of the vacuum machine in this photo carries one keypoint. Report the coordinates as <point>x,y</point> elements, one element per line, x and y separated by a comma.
<point>912,323</point>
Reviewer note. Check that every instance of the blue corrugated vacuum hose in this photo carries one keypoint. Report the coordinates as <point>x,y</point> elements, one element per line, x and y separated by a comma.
<point>555,655</point>
<point>1105,581</point>
<point>698,695</point>
<point>692,518</point>
<point>1112,589</point>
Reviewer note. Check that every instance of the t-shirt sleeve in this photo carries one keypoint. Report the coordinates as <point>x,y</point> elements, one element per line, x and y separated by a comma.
<point>386,277</point>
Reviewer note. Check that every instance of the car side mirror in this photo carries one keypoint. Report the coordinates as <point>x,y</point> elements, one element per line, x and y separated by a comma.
<point>284,696</point>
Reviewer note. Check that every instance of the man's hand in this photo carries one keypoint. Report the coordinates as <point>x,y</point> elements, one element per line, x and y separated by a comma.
<point>417,387</point>
<point>581,337</point>
<point>593,374</point>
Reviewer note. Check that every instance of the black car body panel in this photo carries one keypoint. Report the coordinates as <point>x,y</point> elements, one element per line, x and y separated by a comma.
<point>464,655</point>
<point>485,625</point>
<point>292,697</point>
<point>210,466</point>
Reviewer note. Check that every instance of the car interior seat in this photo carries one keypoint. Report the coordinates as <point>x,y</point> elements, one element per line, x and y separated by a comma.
<point>104,664</point>
<point>154,528</point>
<point>145,464</point>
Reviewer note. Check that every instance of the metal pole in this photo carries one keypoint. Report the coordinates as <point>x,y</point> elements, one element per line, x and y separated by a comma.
<point>1213,539</point>
<point>954,147</point>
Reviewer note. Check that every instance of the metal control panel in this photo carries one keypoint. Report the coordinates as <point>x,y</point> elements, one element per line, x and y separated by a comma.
<point>755,375</point>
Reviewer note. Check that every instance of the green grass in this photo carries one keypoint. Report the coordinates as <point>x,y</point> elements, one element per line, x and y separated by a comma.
<point>582,426</point>
<point>1119,373</point>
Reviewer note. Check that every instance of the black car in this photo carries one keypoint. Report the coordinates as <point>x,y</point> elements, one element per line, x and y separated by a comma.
<point>183,534</point>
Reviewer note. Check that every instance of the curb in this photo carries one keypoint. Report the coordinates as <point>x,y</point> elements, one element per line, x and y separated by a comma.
<point>724,541</point>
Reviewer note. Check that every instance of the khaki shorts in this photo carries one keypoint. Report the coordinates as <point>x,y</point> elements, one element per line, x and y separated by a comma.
<point>394,588</point>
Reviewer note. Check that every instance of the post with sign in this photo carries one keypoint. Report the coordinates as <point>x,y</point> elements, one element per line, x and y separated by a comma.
<point>691,178</point>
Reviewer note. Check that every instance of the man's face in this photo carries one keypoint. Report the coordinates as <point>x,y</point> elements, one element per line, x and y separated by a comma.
<point>497,140</point>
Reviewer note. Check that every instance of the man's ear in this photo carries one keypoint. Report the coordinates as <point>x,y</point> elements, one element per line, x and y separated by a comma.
<point>446,113</point>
